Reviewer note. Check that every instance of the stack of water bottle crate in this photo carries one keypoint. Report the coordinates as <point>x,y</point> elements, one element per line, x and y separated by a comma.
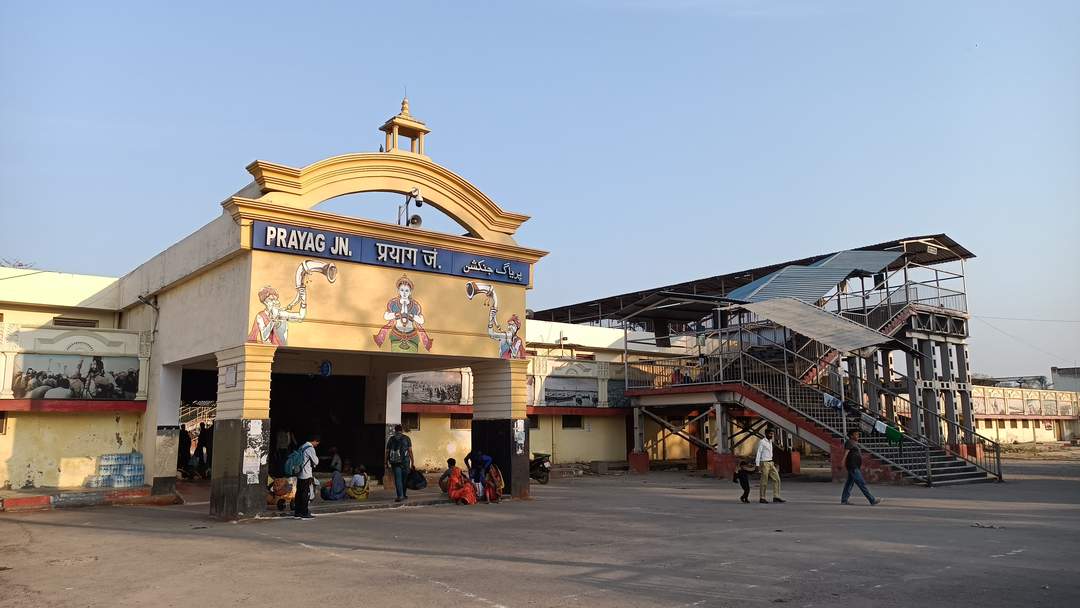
<point>118,471</point>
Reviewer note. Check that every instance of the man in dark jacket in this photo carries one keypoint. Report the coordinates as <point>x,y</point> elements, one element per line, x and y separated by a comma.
<point>853,464</point>
<point>399,458</point>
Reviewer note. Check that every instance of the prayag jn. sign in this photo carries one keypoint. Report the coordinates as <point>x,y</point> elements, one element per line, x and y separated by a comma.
<point>378,252</point>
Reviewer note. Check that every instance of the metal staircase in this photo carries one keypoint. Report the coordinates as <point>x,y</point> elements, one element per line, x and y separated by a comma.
<point>913,458</point>
<point>772,373</point>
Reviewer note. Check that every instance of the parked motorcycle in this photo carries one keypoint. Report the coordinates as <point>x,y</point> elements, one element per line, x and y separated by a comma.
<point>540,467</point>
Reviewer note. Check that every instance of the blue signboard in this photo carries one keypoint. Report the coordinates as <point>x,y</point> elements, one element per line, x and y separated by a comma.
<point>317,243</point>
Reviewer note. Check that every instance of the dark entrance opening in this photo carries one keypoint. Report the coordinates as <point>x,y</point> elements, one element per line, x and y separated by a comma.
<point>332,407</point>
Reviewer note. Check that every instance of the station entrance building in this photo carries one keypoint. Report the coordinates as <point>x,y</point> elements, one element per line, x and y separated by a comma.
<point>290,319</point>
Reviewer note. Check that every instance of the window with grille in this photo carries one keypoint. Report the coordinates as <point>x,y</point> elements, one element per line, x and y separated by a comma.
<point>461,422</point>
<point>533,421</point>
<point>410,421</point>
<point>573,422</point>
<point>73,322</point>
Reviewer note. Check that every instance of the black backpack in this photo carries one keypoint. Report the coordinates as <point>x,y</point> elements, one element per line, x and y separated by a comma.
<point>396,450</point>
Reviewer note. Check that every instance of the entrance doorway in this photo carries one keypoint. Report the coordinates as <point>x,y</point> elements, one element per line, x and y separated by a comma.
<point>332,407</point>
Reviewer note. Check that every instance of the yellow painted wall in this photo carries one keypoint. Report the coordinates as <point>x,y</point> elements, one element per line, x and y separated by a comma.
<point>435,441</point>
<point>57,289</point>
<point>1001,430</point>
<point>349,313</point>
<point>61,449</point>
<point>671,448</point>
<point>36,316</point>
<point>603,438</point>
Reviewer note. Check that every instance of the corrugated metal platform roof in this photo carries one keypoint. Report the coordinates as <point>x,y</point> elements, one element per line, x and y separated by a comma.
<point>825,327</point>
<point>945,249</point>
<point>806,283</point>
<point>868,262</point>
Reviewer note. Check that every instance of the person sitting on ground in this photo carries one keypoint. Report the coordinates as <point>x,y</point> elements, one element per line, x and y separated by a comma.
<point>357,483</point>
<point>335,488</point>
<point>493,483</point>
<point>458,487</point>
<point>444,479</point>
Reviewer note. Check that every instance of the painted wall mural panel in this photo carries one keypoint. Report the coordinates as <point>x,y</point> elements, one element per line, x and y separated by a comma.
<point>443,387</point>
<point>616,394</point>
<point>43,376</point>
<point>571,392</point>
<point>271,325</point>
<point>363,307</point>
<point>511,346</point>
<point>404,321</point>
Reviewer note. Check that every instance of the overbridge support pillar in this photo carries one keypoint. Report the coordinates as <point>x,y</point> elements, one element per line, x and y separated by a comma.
<point>873,393</point>
<point>950,396</point>
<point>929,400</point>
<point>967,418</point>
<point>915,421</point>
<point>721,460</point>
<point>638,458</point>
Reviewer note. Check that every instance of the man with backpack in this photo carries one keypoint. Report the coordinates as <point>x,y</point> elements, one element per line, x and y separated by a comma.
<point>302,463</point>
<point>399,458</point>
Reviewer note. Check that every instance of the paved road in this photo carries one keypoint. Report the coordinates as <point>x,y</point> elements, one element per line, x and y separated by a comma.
<point>664,540</point>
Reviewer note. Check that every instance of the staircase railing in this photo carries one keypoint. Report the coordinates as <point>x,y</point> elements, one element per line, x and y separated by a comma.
<point>730,364</point>
<point>979,450</point>
<point>984,453</point>
<point>788,390</point>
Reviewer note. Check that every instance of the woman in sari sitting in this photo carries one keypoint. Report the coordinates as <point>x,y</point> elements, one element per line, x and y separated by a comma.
<point>357,484</point>
<point>493,484</point>
<point>458,487</point>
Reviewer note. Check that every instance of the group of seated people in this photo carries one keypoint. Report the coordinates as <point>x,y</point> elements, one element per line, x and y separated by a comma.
<point>482,479</point>
<point>349,483</point>
<point>346,482</point>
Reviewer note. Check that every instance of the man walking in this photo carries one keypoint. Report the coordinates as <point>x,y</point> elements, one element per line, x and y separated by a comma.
<point>764,462</point>
<point>853,464</point>
<point>305,479</point>
<point>399,457</point>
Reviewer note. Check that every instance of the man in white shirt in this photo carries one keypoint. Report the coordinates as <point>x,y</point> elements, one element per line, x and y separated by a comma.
<point>764,462</point>
<point>305,479</point>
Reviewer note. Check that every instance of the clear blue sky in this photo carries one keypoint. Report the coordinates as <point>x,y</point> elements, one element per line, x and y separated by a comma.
<point>652,141</point>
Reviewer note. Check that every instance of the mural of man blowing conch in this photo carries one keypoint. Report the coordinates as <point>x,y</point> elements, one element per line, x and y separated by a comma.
<point>271,325</point>
<point>404,321</point>
<point>511,345</point>
<point>75,377</point>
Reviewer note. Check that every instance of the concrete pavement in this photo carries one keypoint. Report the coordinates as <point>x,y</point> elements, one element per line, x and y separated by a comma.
<point>666,539</point>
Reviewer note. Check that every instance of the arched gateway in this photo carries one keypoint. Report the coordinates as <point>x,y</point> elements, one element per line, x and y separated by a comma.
<point>296,308</point>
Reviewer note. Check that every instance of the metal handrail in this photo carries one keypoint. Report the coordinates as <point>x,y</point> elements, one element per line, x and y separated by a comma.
<point>960,431</point>
<point>664,369</point>
<point>815,420</point>
<point>935,416</point>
